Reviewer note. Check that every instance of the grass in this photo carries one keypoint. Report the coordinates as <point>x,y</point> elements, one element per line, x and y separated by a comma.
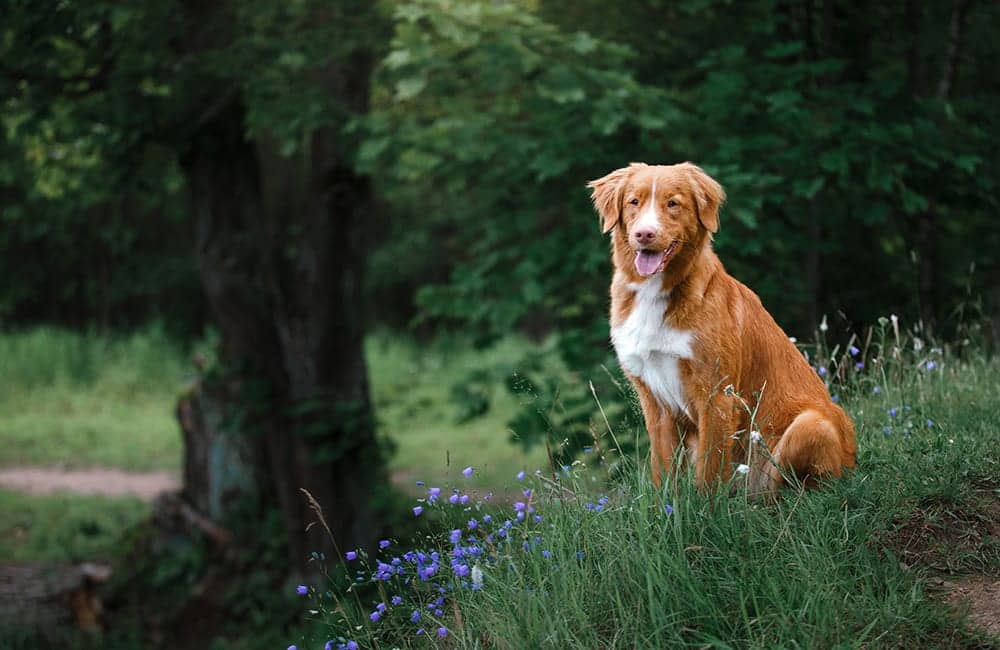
<point>412,392</point>
<point>64,528</point>
<point>81,400</point>
<point>626,565</point>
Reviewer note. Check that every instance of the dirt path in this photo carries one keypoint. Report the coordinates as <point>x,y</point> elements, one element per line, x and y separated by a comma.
<point>104,481</point>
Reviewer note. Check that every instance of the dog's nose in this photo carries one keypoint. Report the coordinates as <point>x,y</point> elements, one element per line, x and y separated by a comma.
<point>644,235</point>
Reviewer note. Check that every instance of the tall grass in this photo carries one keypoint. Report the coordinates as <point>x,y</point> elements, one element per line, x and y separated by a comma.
<point>588,560</point>
<point>81,399</point>
<point>147,361</point>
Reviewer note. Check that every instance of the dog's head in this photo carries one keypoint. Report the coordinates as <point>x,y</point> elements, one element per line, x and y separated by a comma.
<point>659,210</point>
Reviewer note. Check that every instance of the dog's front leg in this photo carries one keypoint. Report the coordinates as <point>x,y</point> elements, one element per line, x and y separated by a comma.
<point>718,421</point>
<point>663,434</point>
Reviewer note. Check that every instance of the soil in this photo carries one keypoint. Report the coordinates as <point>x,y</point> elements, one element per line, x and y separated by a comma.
<point>104,481</point>
<point>981,594</point>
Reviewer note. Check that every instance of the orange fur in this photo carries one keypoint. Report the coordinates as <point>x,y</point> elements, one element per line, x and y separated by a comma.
<point>720,335</point>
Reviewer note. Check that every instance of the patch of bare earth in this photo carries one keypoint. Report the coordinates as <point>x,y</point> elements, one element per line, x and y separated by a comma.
<point>103,481</point>
<point>959,542</point>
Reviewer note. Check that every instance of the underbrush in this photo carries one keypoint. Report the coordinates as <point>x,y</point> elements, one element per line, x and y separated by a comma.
<point>588,556</point>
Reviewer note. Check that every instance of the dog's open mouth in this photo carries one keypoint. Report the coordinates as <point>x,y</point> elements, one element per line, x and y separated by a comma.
<point>648,262</point>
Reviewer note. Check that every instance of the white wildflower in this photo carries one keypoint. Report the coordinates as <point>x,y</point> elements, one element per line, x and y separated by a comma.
<point>793,339</point>
<point>742,469</point>
<point>822,324</point>
<point>477,577</point>
<point>918,345</point>
<point>756,436</point>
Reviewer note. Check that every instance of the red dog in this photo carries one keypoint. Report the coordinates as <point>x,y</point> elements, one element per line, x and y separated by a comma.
<point>698,345</point>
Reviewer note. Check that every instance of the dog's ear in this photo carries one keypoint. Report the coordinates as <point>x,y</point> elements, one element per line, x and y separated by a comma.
<point>708,195</point>
<point>607,195</point>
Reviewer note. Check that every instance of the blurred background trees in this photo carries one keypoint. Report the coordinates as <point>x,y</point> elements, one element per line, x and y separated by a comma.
<point>291,174</point>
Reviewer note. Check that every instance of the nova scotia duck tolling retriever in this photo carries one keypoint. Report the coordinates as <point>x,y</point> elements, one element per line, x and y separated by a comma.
<point>699,347</point>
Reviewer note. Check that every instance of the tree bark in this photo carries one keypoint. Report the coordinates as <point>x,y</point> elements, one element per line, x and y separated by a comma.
<point>280,245</point>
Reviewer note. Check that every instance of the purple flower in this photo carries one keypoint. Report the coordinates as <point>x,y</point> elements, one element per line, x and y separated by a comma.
<point>442,632</point>
<point>822,371</point>
<point>487,519</point>
<point>853,350</point>
<point>417,511</point>
<point>473,524</point>
<point>461,570</point>
<point>463,499</point>
<point>579,555</point>
<point>877,390</point>
<point>834,398</point>
<point>374,616</point>
<point>930,365</point>
<point>420,483</point>
<point>415,616</point>
<point>380,607</point>
<point>302,590</point>
<point>520,475</point>
<point>384,543</point>
<point>467,472</point>
<point>519,506</point>
<point>546,553</point>
<point>456,536</point>
<point>351,555</point>
<point>860,365</point>
<point>453,499</point>
<point>930,423</point>
<point>433,493</point>
<point>293,647</point>
<point>352,645</point>
<point>588,450</point>
<point>420,631</point>
<point>668,509</point>
<point>396,600</point>
<point>538,519</point>
<point>892,412</point>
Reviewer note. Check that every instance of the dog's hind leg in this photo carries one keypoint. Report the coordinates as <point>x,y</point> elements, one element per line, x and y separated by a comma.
<point>810,448</point>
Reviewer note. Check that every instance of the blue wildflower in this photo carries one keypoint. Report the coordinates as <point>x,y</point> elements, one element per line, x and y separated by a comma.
<point>302,590</point>
<point>442,632</point>
<point>930,365</point>
<point>453,499</point>
<point>467,472</point>
<point>456,536</point>
<point>520,475</point>
<point>853,350</point>
<point>822,371</point>
<point>352,645</point>
<point>877,390</point>
<point>930,423</point>
<point>893,411</point>
<point>417,511</point>
<point>396,600</point>
<point>415,616</point>
<point>472,524</point>
<point>351,555</point>
<point>860,365</point>
<point>668,509</point>
<point>420,631</point>
<point>375,616</point>
<point>433,493</point>
<point>384,543</point>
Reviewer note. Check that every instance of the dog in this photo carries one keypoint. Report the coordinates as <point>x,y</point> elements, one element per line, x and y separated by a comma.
<point>700,349</point>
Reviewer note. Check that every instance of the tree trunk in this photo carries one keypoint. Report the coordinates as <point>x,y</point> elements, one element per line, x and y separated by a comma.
<point>279,242</point>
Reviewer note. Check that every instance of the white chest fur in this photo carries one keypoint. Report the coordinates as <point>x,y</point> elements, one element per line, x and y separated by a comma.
<point>649,348</point>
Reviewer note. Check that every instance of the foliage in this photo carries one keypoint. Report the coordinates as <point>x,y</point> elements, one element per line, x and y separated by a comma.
<point>680,568</point>
<point>851,188</point>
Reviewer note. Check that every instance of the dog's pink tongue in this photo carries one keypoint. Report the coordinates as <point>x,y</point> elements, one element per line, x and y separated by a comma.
<point>647,262</point>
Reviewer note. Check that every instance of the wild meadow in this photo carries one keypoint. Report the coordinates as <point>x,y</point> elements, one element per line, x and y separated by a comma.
<point>591,555</point>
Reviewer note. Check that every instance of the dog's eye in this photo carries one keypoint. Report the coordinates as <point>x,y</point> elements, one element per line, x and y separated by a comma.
<point>633,201</point>
<point>671,203</point>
